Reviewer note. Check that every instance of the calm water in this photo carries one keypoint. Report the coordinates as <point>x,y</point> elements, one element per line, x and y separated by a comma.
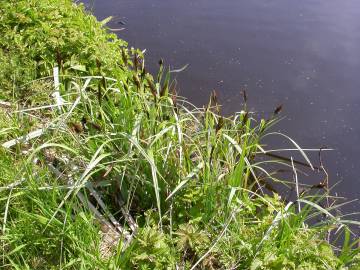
<point>303,54</point>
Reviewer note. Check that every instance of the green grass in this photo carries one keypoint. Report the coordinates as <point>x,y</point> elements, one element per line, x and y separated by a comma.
<point>128,175</point>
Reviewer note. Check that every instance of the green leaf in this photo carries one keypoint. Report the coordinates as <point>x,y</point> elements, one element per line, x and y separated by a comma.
<point>256,264</point>
<point>79,67</point>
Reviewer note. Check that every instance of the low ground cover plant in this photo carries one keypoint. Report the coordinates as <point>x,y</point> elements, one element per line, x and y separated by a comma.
<point>104,166</point>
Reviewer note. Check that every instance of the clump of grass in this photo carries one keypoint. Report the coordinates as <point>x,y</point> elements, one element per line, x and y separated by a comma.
<point>121,173</point>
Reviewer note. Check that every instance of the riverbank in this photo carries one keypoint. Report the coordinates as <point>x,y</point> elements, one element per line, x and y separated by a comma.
<point>105,167</point>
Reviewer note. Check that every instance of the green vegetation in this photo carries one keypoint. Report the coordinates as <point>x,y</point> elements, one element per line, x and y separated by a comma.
<point>124,174</point>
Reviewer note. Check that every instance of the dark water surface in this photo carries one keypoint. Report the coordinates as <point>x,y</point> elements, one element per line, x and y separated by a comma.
<point>302,54</point>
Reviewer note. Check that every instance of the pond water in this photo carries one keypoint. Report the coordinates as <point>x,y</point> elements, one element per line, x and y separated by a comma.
<point>302,54</point>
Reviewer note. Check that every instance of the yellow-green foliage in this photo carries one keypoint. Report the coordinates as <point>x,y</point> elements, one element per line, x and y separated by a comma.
<point>37,35</point>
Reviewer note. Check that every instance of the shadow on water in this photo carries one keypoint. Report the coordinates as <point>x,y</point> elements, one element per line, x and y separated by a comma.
<point>304,55</point>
